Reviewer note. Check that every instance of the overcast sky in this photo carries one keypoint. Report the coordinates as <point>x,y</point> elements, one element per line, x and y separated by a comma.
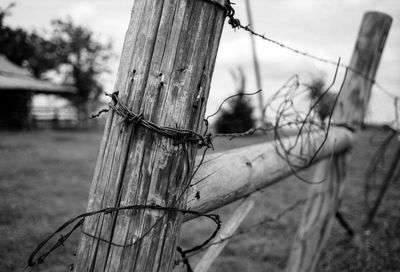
<point>321,27</point>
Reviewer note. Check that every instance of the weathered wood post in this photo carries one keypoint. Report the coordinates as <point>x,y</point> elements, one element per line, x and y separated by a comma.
<point>164,77</point>
<point>319,213</point>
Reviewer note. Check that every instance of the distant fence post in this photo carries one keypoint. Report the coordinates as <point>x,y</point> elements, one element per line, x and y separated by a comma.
<point>319,212</point>
<point>164,77</point>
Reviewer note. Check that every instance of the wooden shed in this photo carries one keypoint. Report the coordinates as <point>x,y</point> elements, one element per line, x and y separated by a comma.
<point>17,86</point>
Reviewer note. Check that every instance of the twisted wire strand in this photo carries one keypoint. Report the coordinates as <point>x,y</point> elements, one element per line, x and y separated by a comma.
<point>179,136</point>
<point>33,260</point>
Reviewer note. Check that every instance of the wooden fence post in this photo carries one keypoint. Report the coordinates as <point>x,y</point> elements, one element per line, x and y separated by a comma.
<point>164,77</point>
<point>319,213</point>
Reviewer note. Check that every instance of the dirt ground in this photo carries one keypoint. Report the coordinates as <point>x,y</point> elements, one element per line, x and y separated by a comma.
<point>45,178</point>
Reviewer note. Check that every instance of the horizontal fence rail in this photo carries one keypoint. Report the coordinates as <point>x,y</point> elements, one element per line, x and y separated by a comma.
<point>228,176</point>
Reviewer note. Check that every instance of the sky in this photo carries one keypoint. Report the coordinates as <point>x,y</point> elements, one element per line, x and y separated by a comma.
<point>326,28</point>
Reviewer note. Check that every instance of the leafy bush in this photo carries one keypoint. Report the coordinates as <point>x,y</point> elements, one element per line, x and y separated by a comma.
<point>324,100</point>
<point>237,117</point>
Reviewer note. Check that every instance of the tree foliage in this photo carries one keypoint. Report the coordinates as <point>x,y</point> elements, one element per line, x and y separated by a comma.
<point>237,117</point>
<point>318,94</point>
<point>26,49</point>
<point>84,58</point>
<point>69,49</point>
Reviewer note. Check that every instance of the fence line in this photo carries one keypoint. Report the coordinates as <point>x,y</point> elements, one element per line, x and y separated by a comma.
<point>222,178</point>
<point>318,215</point>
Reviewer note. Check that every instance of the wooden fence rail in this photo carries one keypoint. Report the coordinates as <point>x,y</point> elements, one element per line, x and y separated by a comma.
<point>228,176</point>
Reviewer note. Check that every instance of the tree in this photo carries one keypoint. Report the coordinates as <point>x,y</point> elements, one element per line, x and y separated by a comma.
<point>325,101</point>
<point>238,116</point>
<point>26,49</point>
<point>69,49</point>
<point>84,59</point>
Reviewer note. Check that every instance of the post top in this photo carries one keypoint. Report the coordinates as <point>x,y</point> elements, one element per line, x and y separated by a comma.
<point>378,14</point>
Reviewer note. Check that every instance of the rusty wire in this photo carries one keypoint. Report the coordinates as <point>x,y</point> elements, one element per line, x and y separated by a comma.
<point>287,115</point>
<point>306,125</point>
<point>236,24</point>
<point>33,260</point>
<point>179,136</point>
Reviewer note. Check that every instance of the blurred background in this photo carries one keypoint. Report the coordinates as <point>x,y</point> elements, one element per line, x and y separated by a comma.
<point>57,58</point>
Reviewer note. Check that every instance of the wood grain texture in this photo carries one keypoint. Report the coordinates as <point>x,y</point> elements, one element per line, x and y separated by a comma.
<point>371,40</point>
<point>319,213</point>
<point>165,73</point>
<point>228,229</point>
<point>231,175</point>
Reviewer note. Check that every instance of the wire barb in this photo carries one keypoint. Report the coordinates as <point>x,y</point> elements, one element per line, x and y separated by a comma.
<point>179,136</point>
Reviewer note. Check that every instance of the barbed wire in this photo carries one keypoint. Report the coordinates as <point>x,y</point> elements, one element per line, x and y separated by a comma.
<point>33,260</point>
<point>305,123</point>
<point>236,24</point>
<point>309,127</point>
<point>227,99</point>
<point>179,136</point>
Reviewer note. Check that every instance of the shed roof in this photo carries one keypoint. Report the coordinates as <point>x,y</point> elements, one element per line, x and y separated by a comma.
<point>14,77</point>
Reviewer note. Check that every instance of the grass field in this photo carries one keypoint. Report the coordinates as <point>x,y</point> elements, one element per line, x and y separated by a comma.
<point>45,178</point>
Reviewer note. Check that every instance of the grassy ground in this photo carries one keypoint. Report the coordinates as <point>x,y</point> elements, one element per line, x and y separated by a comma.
<point>45,180</point>
<point>45,177</point>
